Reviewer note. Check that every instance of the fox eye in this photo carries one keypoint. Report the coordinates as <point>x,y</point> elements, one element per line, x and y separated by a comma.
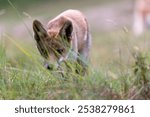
<point>60,51</point>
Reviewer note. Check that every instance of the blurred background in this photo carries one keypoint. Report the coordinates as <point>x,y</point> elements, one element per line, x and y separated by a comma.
<point>110,23</point>
<point>103,15</point>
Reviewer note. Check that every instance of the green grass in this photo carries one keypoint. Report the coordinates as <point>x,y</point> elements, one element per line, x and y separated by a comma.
<point>119,67</point>
<point>22,75</point>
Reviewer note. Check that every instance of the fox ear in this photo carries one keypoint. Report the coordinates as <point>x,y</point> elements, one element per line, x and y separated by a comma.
<point>39,31</point>
<point>66,30</point>
<point>39,35</point>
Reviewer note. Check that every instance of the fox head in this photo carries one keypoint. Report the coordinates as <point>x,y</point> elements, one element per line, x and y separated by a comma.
<point>53,45</point>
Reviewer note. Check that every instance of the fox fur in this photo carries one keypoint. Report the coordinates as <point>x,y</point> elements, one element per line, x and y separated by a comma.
<point>69,31</point>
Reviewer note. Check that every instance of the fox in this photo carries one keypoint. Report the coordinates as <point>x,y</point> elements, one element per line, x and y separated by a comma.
<point>66,36</point>
<point>141,14</point>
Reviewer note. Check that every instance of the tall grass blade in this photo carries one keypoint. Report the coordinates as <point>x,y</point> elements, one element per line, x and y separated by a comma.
<point>18,46</point>
<point>19,15</point>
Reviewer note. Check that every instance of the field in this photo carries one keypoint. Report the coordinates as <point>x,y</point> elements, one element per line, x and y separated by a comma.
<point>120,62</point>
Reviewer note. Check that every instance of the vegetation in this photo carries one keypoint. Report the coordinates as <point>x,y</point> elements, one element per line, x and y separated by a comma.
<point>119,69</point>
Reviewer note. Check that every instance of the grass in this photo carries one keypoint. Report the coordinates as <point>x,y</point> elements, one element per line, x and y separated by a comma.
<point>22,75</point>
<point>119,69</point>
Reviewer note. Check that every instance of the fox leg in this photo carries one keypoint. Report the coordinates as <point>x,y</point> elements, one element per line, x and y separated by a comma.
<point>83,57</point>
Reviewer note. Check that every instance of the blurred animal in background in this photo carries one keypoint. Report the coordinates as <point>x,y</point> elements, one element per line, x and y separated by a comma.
<point>141,16</point>
<point>66,35</point>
